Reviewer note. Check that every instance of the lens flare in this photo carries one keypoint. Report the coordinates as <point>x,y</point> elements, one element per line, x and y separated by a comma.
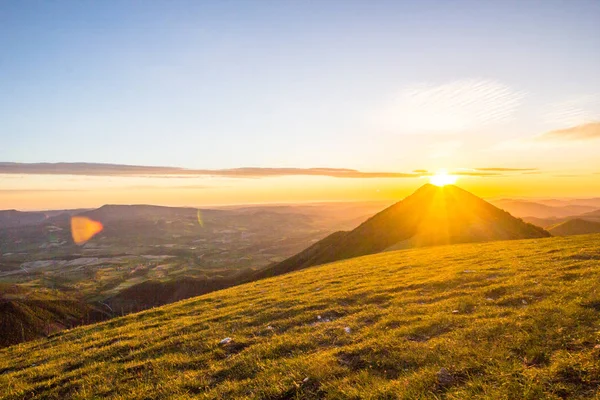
<point>441,178</point>
<point>84,228</point>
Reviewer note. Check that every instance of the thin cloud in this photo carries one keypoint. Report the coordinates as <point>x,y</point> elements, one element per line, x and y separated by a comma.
<point>27,191</point>
<point>91,169</point>
<point>501,169</point>
<point>532,173</point>
<point>580,132</point>
<point>476,173</point>
<point>451,107</point>
<point>574,111</point>
<point>118,170</point>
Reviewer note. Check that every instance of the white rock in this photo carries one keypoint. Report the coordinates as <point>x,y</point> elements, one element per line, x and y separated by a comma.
<point>347,329</point>
<point>226,340</point>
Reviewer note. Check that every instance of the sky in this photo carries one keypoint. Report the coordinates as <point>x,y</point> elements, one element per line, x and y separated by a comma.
<point>504,93</point>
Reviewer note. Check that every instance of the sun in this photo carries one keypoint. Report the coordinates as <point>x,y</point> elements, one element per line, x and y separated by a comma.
<point>441,178</point>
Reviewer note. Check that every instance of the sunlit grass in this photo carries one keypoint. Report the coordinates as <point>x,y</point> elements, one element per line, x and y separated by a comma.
<point>512,320</point>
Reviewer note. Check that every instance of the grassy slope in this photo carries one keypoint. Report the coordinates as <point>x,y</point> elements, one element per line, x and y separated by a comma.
<point>575,226</point>
<point>518,319</point>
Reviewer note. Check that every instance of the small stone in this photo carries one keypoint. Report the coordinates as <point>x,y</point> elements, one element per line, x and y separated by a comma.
<point>305,379</point>
<point>318,317</point>
<point>269,327</point>
<point>444,377</point>
<point>597,346</point>
<point>455,311</point>
<point>227,340</point>
<point>347,329</point>
<point>524,301</point>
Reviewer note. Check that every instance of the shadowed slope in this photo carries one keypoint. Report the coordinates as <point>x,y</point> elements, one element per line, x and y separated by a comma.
<point>31,314</point>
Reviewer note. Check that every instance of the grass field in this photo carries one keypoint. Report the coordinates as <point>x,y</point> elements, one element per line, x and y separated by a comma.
<point>502,320</point>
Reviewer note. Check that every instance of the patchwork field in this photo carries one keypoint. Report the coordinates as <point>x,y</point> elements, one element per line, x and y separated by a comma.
<point>507,320</point>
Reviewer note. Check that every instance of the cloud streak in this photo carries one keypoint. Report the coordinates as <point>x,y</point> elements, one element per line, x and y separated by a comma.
<point>500,169</point>
<point>92,169</point>
<point>120,170</point>
<point>580,132</point>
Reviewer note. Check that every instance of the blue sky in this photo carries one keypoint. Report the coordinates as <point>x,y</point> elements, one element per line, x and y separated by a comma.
<point>228,84</point>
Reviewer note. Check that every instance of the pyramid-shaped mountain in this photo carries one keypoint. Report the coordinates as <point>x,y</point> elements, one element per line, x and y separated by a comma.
<point>430,216</point>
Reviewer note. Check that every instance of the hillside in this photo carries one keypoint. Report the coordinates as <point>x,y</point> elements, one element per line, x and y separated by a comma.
<point>430,216</point>
<point>32,314</point>
<point>592,215</point>
<point>575,226</point>
<point>514,319</point>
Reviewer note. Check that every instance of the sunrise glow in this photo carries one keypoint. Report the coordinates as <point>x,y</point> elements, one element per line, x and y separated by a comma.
<point>441,178</point>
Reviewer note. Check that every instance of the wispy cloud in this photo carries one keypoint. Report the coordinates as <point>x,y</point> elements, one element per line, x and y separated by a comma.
<point>560,138</point>
<point>476,173</point>
<point>501,169</point>
<point>450,107</point>
<point>118,170</point>
<point>575,111</point>
<point>91,169</point>
<point>580,132</point>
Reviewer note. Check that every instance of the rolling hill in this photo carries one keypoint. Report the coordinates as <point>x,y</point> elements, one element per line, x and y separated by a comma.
<point>525,208</point>
<point>575,226</point>
<point>430,216</point>
<point>507,319</point>
<point>592,215</point>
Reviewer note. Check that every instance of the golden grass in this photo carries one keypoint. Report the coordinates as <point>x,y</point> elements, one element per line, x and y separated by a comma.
<point>509,320</point>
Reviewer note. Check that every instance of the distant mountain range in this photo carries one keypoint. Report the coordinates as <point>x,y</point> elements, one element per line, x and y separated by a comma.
<point>525,208</point>
<point>430,216</point>
<point>14,218</point>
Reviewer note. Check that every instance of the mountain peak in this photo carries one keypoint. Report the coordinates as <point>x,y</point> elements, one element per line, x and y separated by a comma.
<point>432,215</point>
